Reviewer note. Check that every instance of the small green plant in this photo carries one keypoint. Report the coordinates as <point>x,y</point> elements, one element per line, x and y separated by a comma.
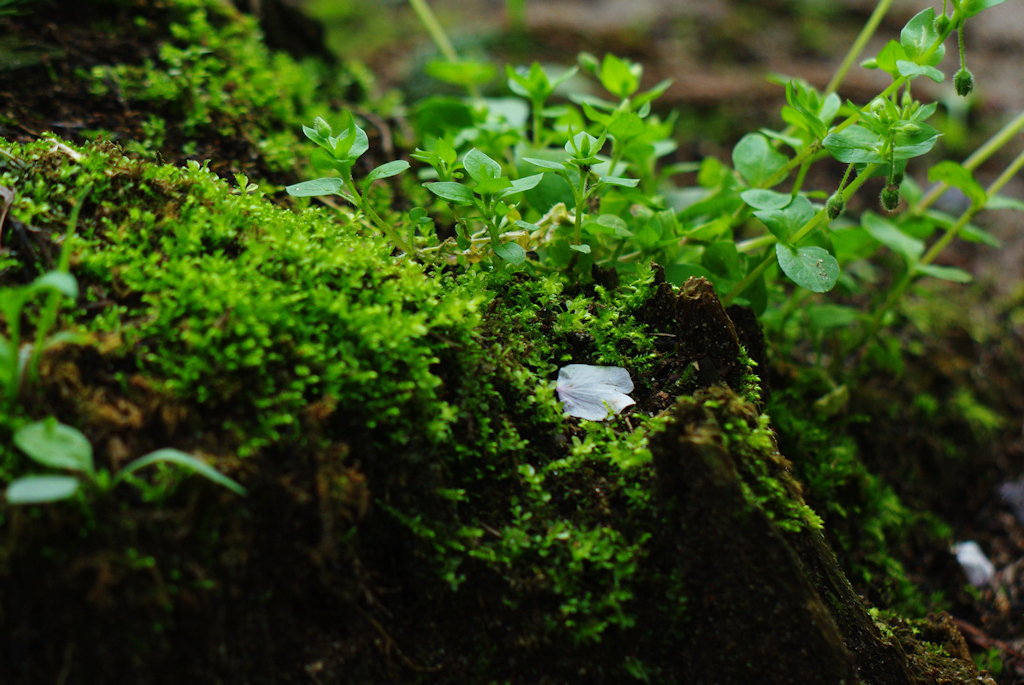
<point>18,362</point>
<point>338,153</point>
<point>603,201</point>
<point>59,446</point>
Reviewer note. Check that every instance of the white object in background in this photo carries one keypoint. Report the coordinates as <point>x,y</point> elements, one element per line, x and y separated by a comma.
<point>978,569</point>
<point>592,392</point>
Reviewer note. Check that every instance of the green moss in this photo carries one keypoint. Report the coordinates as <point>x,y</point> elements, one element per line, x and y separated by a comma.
<point>864,519</point>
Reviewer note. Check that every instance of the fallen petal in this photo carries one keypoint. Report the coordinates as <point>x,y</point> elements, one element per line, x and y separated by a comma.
<point>978,569</point>
<point>594,392</point>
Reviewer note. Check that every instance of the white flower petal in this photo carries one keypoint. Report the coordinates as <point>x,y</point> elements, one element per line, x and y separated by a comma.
<point>591,392</point>
<point>978,569</point>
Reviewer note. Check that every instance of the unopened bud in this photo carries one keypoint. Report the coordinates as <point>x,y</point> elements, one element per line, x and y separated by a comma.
<point>941,23</point>
<point>323,129</point>
<point>835,205</point>
<point>963,82</point>
<point>890,198</point>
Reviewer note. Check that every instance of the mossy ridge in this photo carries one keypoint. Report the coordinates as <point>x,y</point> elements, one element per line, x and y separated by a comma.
<point>363,405</point>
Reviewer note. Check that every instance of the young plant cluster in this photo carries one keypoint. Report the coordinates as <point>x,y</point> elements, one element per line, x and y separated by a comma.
<point>600,197</point>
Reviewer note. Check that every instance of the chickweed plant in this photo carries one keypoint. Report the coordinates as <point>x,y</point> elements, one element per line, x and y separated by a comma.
<point>528,185</point>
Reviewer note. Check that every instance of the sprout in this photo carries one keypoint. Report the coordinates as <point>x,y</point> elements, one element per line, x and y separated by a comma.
<point>594,392</point>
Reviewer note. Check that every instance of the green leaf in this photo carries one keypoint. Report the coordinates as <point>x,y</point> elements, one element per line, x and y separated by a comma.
<point>387,170</point>
<point>322,160</point>
<point>885,232</point>
<point>521,185</point>
<point>946,273</point>
<point>480,167</point>
<point>972,7</point>
<point>678,274</point>
<point>890,54</point>
<point>41,489</point>
<point>918,36</point>
<point>783,223</point>
<point>756,159</point>
<point>545,164</point>
<point>809,267</point>
<point>513,253</point>
<point>531,83</point>
<point>913,139</point>
<point>620,181</point>
<point>452,192</point>
<point>723,259</point>
<point>172,456</point>
<point>766,199</point>
<point>910,70</point>
<point>56,445</point>
<point>61,281</point>
<point>654,93</point>
<point>619,77</point>
<point>711,229</point>
<point>465,74</point>
<point>493,186</point>
<point>584,248</point>
<point>957,176</point>
<point>832,316</point>
<point>1003,202</point>
<point>321,186</point>
<point>625,126</point>
<point>855,145</point>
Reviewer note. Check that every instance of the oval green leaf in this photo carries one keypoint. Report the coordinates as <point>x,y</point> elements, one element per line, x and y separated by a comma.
<point>756,159</point>
<point>41,489</point>
<point>452,192</point>
<point>316,188</point>
<point>387,170</point>
<point>55,444</point>
<point>513,253</point>
<point>809,267</point>
<point>60,281</point>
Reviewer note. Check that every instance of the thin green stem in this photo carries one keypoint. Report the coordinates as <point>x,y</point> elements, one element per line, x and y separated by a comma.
<point>960,41</point>
<point>433,27</point>
<point>516,12</point>
<point>437,34</point>
<point>858,45</point>
<point>934,251</point>
<point>53,299</point>
<point>822,215</point>
<point>993,144</point>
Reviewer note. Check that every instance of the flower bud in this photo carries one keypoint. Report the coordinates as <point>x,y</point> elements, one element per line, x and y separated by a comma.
<point>963,82</point>
<point>835,205</point>
<point>890,198</point>
<point>323,129</point>
<point>941,23</point>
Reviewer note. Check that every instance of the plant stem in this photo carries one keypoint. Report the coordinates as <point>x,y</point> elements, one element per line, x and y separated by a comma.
<point>858,45</point>
<point>516,12</point>
<point>49,313</point>
<point>433,27</point>
<point>440,38</point>
<point>934,251</point>
<point>974,161</point>
<point>796,237</point>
